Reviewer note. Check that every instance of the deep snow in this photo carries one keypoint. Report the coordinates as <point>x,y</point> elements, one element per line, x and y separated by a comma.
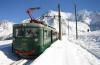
<point>59,53</point>
<point>6,56</point>
<point>91,42</point>
<point>66,53</point>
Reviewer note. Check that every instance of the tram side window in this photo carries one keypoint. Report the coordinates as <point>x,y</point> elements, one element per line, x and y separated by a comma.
<point>49,34</point>
<point>45,34</point>
<point>54,34</point>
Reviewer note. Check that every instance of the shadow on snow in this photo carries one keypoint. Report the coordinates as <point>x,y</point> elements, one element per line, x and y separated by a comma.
<point>7,50</point>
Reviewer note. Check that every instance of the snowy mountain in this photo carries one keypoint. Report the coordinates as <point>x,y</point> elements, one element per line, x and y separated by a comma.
<point>5,29</point>
<point>67,19</point>
<point>91,18</point>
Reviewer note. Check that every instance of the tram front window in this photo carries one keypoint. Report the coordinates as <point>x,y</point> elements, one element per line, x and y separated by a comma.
<point>26,32</point>
<point>20,32</point>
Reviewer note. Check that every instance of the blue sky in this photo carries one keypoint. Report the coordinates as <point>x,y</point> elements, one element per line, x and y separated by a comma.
<point>15,10</point>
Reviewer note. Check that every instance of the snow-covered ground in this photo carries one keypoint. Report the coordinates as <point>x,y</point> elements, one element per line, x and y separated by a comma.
<point>89,41</point>
<point>6,56</point>
<point>59,53</point>
<point>66,53</point>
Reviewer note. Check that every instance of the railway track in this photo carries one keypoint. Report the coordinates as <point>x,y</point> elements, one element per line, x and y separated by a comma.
<point>20,62</point>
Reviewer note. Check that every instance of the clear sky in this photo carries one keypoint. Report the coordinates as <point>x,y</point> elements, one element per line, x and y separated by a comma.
<point>15,10</point>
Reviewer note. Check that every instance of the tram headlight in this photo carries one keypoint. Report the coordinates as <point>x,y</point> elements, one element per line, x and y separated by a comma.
<point>36,39</point>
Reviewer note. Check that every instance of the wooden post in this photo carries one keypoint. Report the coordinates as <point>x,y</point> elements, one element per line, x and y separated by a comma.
<point>76,20</point>
<point>59,19</point>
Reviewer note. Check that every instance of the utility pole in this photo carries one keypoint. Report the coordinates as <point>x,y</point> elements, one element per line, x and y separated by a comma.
<point>76,20</point>
<point>59,19</point>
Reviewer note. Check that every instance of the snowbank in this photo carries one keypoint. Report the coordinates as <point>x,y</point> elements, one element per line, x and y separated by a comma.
<point>66,53</point>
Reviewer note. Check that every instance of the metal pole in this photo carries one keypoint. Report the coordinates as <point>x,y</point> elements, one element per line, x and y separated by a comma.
<point>59,19</point>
